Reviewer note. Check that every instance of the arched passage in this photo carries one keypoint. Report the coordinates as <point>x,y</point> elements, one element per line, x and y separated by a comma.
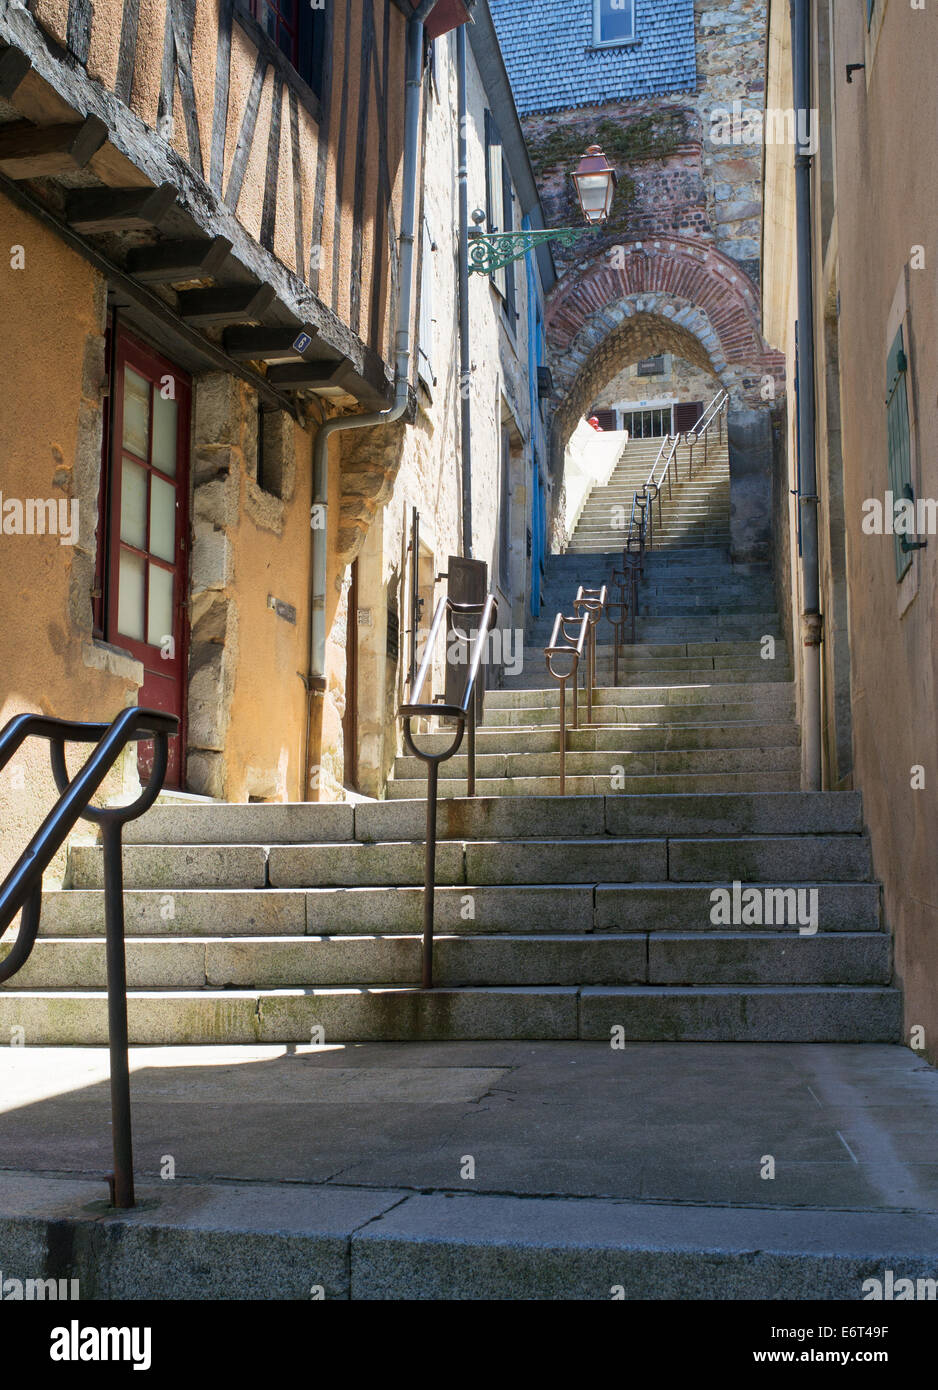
<point>681,296</point>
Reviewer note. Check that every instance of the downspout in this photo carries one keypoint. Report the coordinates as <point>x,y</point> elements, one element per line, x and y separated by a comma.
<point>316,663</point>
<point>465,365</point>
<point>811,621</point>
<point>534,406</point>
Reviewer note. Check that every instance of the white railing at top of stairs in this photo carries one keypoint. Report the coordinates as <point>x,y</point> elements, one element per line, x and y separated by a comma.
<point>667,459</point>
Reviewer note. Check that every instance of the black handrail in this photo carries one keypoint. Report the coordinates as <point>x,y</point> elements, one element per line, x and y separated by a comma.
<point>620,610</point>
<point>22,887</point>
<point>462,713</point>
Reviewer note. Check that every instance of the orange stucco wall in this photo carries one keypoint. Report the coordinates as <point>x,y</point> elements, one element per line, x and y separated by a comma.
<point>52,316</point>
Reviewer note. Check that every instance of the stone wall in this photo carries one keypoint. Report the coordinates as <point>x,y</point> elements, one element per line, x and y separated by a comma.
<point>680,381</point>
<point>674,175</point>
<point>385,473</point>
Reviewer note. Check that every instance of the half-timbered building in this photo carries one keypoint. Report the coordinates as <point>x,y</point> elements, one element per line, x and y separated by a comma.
<point>215,242</point>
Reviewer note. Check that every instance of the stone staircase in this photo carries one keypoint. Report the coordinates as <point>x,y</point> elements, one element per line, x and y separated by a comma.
<point>696,513</point>
<point>594,915</point>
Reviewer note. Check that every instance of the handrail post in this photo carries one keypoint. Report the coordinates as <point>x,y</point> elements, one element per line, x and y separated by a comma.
<point>122,1179</point>
<point>429,895</point>
<point>563,735</point>
<point>471,748</point>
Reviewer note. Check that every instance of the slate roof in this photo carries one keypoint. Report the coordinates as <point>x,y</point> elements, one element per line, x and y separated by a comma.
<point>548,50</point>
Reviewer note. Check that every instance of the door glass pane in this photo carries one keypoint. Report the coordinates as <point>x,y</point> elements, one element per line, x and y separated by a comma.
<point>134,504</point>
<point>162,518</point>
<point>160,614</point>
<point>130,596</point>
<point>136,412</point>
<point>164,434</point>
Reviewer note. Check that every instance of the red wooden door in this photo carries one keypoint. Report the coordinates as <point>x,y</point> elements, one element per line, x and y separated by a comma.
<point>148,525</point>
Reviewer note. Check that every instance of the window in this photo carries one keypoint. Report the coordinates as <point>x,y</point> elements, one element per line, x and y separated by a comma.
<point>298,31</point>
<point>613,22</point>
<point>652,366</point>
<point>271,446</point>
<point>897,431</point>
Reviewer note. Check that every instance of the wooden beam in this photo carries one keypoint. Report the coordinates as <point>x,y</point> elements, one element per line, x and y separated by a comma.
<point>328,378</point>
<point>14,66</point>
<point>225,304</point>
<point>35,152</point>
<point>178,260</point>
<point>118,209</point>
<point>270,344</point>
<point>161,322</point>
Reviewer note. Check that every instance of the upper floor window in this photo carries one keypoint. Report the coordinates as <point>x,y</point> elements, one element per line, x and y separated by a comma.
<point>613,22</point>
<point>298,31</point>
<point>652,366</point>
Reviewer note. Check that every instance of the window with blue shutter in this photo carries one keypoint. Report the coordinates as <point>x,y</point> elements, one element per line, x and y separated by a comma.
<point>897,432</point>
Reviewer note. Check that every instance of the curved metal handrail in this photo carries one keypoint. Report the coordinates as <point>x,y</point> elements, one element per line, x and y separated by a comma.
<point>22,887</point>
<point>464,714</point>
<point>572,647</point>
<point>591,602</point>
<point>625,606</point>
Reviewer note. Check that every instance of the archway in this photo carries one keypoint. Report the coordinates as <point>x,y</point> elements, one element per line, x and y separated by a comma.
<point>680,296</point>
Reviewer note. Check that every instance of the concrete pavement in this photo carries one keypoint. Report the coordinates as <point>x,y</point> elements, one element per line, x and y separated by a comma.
<point>476,1169</point>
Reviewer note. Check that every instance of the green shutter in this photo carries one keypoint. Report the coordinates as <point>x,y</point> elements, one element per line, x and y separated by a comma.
<point>897,433</point>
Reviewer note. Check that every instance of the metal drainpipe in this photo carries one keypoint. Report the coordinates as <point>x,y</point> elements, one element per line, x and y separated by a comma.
<point>811,621</point>
<point>316,664</point>
<point>465,366</point>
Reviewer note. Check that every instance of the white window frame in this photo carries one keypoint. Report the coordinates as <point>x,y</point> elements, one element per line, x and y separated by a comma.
<point>598,40</point>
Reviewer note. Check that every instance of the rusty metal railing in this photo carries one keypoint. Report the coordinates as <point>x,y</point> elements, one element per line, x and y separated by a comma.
<point>22,887</point>
<point>464,715</point>
<point>592,602</point>
<point>572,647</point>
<point>624,608</point>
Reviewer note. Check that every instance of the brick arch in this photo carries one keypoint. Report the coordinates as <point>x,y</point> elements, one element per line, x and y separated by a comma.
<point>674,294</point>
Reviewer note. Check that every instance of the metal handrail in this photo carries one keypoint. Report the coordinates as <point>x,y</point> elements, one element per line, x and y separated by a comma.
<point>626,605</point>
<point>592,602</point>
<point>636,537</point>
<point>653,485</point>
<point>573,647</point>
<point>463,713</point>
<point>715,411</point>
<point>22,887</point>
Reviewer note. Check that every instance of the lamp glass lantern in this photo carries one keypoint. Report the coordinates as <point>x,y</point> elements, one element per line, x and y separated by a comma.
<point>595,181</point>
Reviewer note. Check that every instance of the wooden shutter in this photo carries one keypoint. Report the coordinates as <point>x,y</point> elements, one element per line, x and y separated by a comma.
<point>686,415</point>
<point>508,222</point>
<point>897,432</point>
<point>495,192</point>
<point>425,330</point>
<point>605,418</point>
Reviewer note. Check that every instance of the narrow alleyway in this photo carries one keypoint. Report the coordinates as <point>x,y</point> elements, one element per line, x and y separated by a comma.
<point>683,888</point>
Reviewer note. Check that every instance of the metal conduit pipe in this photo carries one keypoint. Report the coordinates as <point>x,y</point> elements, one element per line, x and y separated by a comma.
<point>811,621</point>
<point>316,664</point>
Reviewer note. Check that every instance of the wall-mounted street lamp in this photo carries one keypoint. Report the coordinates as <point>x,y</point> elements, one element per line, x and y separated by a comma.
<point>595,181</point>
